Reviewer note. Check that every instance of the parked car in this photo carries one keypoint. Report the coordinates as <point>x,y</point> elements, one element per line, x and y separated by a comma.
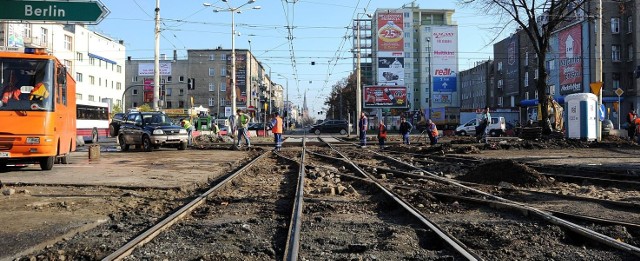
<point>258,126</point>
<point>151,130</point>
<point>114,125</point>
<point>330,126</point>
<point>496,127</point>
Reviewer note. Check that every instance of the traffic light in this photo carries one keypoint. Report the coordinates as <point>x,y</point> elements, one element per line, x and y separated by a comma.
<point>191,84</point>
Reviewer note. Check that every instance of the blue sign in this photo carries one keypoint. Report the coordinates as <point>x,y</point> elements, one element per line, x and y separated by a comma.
<point>601,112</point>
<point>444,84</point>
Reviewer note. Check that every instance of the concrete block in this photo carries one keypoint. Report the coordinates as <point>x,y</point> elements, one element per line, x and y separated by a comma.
<point>94,151</point>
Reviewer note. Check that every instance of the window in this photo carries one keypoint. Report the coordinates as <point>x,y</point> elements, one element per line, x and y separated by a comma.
<point>68,43</point>
<point>169,104</point>
<point>78,77</point>
<point>99,81</point>
<point>91,98</point>
<point>615,53</point>
<point>535,74</point>
<point>551,65</point>
<point>615,25</point>
<point>407,35</point>
<point>500,83</point>
<point>407,25</point>
<point>407,45</point>
<point>223,86</point>
<point>499,66</point>
<point>500,100</point>
<point>212,71</point>
<point>181,93</point>
<point>118,86</point>
<point>180,104</point>
<point>212,101</point>
<point>79,96</point>
<point>616,80</point>
<point>536,94</point>
<point>119,68</point>
<point>526,79</point>
<point>92,61</point>
<point>181,78</point>
<point>134,92</point>
<point>169,78</point>
<point>406,14</point>
<point>552,89</point>
<point>526,95</point>
<point>79,57</point>
<point>92,80</point>
<point>223,71</point>
<point>212,57</point>
<point>169,92</point>
<point>629,24</point>
<point>27,30</point>
<point>212,87</point>
<point>526,58</point>
<point>223,56</point>
<point>630,51</point>
<point>223,101</point>
<point>68,64</point>
<point>44,36</point>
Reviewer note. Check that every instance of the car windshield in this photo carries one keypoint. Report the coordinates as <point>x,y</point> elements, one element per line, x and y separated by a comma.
<point>156,119</point>
<point>26,85</point>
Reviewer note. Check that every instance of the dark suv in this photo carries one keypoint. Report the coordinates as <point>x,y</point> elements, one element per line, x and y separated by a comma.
<point>331,126</point>
<point>114,125</point>
<point>151,130</point>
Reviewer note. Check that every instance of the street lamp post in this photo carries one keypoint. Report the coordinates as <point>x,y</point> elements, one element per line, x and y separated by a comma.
<point>232,10</point>
<point>430,81</point>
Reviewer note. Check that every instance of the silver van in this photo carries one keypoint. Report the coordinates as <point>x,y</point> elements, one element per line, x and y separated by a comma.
<point>497,127</point>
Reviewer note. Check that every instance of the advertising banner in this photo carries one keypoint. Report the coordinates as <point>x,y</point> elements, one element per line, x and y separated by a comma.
<point>391,70</point>
<point>241,79</point>
<point>390,32</point>
<point>512,66</point>
<point>148,84</point>
<point>570,49</point>
<point>15,35</point>
<point>148,97</point>
<point>444,58</point>
<point>385,97</point>
<point>442,98</point>
<point>146,69</point>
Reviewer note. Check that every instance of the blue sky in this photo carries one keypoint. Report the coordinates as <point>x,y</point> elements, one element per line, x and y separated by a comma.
<point>319,30</point>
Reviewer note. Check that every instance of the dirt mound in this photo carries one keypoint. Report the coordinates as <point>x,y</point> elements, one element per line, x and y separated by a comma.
<point>509,171</point>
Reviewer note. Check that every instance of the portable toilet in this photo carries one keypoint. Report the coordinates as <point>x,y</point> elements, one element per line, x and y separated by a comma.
<point>581,114</point>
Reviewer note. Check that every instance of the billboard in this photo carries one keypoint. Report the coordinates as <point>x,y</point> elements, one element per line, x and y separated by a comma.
<point>15,35</point>
<point>391,70</point>
<point>511,68</point>
<point>570,60</point>
<point>385,96</point>
<point>444,58</point>
<point>147,90</point>
<point>390,32</point>
<point>146,69</point>
<point>241,79</point>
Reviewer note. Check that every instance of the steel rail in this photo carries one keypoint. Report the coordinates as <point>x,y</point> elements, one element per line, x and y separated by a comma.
<point>295,223</point>
<point>167,222</point>
<point>448,238</point>
<point>606,240</point>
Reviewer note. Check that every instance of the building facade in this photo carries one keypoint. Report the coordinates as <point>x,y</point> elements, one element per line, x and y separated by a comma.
<point>96,61</point>
<point>475,84</point>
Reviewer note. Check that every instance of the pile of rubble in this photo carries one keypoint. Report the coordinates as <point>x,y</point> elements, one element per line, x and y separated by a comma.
<point>326,182</point>
<point>509,171</point>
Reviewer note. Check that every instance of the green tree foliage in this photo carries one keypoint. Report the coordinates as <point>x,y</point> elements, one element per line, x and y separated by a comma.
<point>343,93</point>
<point>145,107</point>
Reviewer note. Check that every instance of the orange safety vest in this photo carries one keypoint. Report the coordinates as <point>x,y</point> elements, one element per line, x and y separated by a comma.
<point>382,131</point>
<point>434,132</point>
<point>277,129</point>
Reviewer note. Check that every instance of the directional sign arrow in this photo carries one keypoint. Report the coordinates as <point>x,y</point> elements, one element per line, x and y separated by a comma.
<point>87,12</point>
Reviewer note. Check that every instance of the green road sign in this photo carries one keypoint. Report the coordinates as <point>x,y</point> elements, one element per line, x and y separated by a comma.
<point>88,12</point>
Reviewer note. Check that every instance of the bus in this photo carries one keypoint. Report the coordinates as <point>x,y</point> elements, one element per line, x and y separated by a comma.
<point>37,108</point>
<point>92,120</point>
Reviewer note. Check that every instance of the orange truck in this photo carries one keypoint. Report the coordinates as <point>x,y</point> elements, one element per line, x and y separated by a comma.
<point>37,109</point>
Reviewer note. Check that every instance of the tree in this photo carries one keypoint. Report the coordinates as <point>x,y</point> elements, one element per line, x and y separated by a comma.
<point>538,20</point>
<point>145,107</point>
<point>342,98</point>
<point>116,109</point>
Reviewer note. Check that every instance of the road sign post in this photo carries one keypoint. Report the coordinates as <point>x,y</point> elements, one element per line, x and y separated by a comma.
<point>86,12</point>
<point>619,92</point>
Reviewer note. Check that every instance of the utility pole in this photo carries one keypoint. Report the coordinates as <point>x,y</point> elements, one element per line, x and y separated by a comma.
<point>358,83</point>
<point>598,69</point>
<point>156,60</point>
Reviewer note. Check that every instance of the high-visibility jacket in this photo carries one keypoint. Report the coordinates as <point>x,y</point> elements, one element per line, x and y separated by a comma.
<point>186,124</point>
<point>277,125</point>
<point>382,131</point>
<point>433,130</point>
<point>631,117</point>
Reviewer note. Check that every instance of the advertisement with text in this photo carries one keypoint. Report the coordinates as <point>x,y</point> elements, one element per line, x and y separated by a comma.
<point>390,32</point>
<point>444,61</point>
<point>385,97</point>
<point>570,48</point>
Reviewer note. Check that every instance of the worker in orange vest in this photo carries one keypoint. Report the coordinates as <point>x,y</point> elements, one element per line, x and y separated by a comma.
<point>276,129</point>
<point>432,132</point>
<point>631,128</point>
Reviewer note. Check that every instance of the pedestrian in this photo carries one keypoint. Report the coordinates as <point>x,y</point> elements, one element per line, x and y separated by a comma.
<point>405,130</point>
<point>631,128</point>
<point>216,131</point>
<point>485,119</point>
<point>242,123</point>
<point>382,134</point>
<point>432,131</point>
<point>362,126</point>
<point>276,129</point>
<point>187,126</point>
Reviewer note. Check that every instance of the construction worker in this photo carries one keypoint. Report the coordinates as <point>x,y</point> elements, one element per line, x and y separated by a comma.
<point>276,129</point>
<point>363,124</point>
<point>382,134</point>
<point>631,128</point>
<point>187,126</point>
<point>242,124</point>
<point>432,131</point>
<point>405,130</point>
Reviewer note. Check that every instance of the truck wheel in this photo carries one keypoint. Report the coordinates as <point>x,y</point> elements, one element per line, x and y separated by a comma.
<point>112,131</point>
<point>317,132</point>
<point>47,163</point>
<point>493,133</point>
<point>182,146</point>
<point>123,145</point>
<point>146,144</point>
<point>463,133</point>
<point>343,132</point>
